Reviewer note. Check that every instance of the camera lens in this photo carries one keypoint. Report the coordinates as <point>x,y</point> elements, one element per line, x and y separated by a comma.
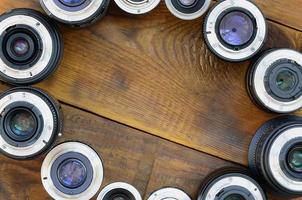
<point>20,47</point>
<point>72,170</point>
<point>137,6</point>
<point>188,9</point>
<point>119,191</point>
<point>274,82</point>
<point>76,13</point>
<point>30,121</point>
<point>235,30</point>
<point>23,123</point>
<point>26,58</point>
<point>231,184</point>
<point>275,155</point>
<point>294,159</point>
<point>72,173</point>
<point>169,193</point>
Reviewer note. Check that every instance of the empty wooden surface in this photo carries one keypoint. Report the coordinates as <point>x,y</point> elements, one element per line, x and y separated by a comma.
<point>155,74</point>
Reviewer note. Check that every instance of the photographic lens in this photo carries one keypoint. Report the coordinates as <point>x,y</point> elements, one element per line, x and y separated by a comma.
<point>30,122</point>
<point>235,31</point>
<point>76,13</point>
<point>234,197</point>
<point>231,184</point>
<point>188,9</point>
<point>31,47</point>
<point>295,159</point>
<point>236,28</point>
<point>274,81</point>
<point>23,123</point>
<point>275,155</point>
<point>72,170</point>
<point>285,80</point>
<point>20,46</point>
<point>137,6</point>
<point>72,173</point>
<point>119,191</point>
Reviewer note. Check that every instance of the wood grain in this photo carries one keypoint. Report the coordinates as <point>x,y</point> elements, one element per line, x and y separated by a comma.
<point>285,12</point>
<point>129,155</point>
<point>145,161</point>
<point>154,73</point>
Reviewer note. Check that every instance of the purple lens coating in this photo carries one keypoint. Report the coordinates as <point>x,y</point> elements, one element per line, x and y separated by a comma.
<point>72,2</point>
<point>236,28</point>
<point>20,47</point>
<point>72,173</point>
<point>187,2</point>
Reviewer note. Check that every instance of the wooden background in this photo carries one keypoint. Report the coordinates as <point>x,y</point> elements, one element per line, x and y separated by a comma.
<point>148,95</point>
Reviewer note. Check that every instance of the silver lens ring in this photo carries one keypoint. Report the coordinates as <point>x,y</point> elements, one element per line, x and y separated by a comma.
<point>46,52</point>
<point>233,181</point>
<point>94,9</point>
<point>72,147</point>
<point>169,193</point>
<point>225,51</point>
<point>137,7</point>
<point>49,113</point>
<point>119,186</point>
<point>274,161</point>
<point>259,75</point>
<point>182,14</point>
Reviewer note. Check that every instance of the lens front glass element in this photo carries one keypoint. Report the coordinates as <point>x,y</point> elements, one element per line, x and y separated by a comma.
<point>295,159</point>
<point>234,197</point>
<point>236,28</point>
<point>72,173</point>
<point>23,123</point>
<point>285,80</point>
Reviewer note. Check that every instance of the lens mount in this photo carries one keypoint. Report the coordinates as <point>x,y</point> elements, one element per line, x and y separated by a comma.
<point>228,183</point>
<point>188,11</point>
<point>72,170</point>
<point>137,6</point>
<point>24,57</point>
<point>76,13</point>
<point>275,81</point>
<point>169,193</point>
<point>119,190</point>
<point>235,30</point>
<point>30,121</point>
<point>269,154</point>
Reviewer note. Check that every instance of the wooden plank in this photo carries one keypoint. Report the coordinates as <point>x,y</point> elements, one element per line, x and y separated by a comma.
<point>285,12</point>
<point>129,155</point>
<point>145,161</point>
<point>154,72</point>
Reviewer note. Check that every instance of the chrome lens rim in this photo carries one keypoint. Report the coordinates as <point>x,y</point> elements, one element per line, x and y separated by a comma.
<point>46,134</point>
<point>259,85</point>
<point>137,7</point>
<point>169,193</point>
<point>218,47</point>
<point>231,181</point>
<point>72,16</point>
<point>187,16</point>
<point>46,51</point>
<point>77,147</point>
<point>119,185</point>
<point>275,166</point>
